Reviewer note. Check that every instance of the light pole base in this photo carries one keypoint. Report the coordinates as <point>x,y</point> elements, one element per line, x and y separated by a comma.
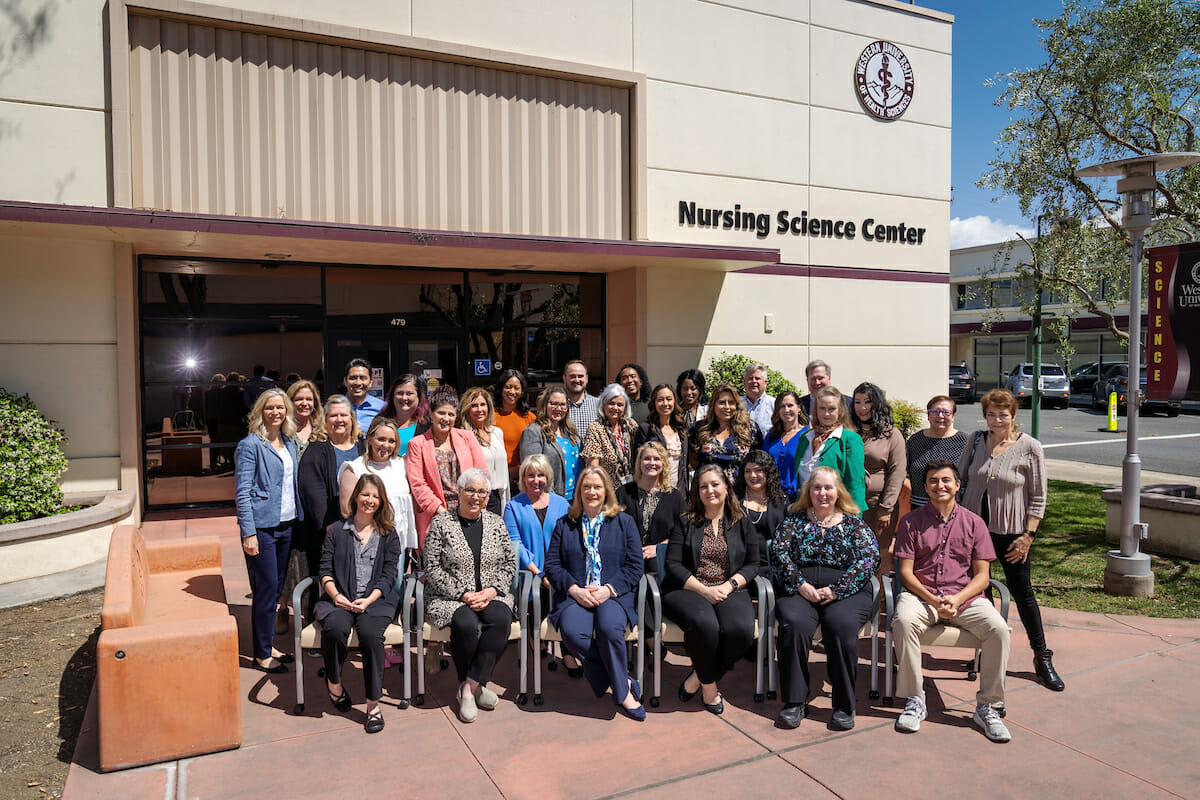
<point>1128,576</point>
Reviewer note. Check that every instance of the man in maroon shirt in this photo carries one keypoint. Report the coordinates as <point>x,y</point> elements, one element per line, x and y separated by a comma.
<point>943,558</point>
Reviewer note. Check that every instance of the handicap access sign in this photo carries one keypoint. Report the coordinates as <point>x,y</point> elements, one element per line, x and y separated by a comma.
<point>483,367</point>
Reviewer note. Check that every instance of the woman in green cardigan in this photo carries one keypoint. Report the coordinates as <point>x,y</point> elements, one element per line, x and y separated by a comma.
<point>832,443</point>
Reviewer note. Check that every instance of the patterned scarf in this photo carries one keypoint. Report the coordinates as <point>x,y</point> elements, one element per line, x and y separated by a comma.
<point>591,542</point>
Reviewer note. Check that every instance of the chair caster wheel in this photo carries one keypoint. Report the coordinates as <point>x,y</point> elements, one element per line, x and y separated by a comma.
<point>759,697</point>
<point>552,666</point>
<point>320,672</point>
<point>538,700</point>
<point>403,704</point>
<point>887,701</point>
<point>419,700</point>
<point>299,709</point>
<point>873,694</point>
<point>444,664</point>
<point>972,675</point>
<point>522,699</point>
<point>654,701</point>
<point>772,695</point>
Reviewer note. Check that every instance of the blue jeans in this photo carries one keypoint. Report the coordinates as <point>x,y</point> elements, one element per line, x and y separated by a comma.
<point>266,571</point>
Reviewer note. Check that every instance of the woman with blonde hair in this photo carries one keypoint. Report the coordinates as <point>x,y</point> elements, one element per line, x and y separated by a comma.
<point>655,505</point>
<point>267,496</point>
<point>554,436</point>
<point>477,414</point>
<point>726,434</point>
<point>594,564</point>
<point>307,414</point>
<point>309,419</point>
<point>824,555</point>
<point>830,441</point>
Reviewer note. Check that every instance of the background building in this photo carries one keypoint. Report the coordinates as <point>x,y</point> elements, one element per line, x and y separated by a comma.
<point>456,186</point>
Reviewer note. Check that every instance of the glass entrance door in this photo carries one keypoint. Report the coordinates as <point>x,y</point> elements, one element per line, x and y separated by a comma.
<point>438,359</point>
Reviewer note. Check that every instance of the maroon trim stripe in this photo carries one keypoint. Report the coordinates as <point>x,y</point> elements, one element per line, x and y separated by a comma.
<point>848,273</point>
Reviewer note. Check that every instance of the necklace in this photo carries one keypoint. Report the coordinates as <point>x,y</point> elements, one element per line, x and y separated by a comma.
<point>828,522</point>
<point>751,514</point>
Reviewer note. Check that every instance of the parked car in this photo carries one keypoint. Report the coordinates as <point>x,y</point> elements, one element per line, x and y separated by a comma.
<point>1084,377</point>
<point>1116,379</point>
<point>962,383</point>
<point>1056,387</point>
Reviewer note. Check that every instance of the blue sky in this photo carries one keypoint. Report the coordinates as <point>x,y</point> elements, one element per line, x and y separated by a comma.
<point>989,38</point>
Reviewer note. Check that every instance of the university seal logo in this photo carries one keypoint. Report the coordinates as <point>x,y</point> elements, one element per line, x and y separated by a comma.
<point>884,80</point>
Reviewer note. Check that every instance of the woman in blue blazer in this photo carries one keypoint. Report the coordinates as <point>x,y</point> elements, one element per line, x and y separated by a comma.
<point>594,564</point>
<point>268,506</point>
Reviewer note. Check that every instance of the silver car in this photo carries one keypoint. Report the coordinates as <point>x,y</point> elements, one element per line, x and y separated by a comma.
<point>1056,386</point>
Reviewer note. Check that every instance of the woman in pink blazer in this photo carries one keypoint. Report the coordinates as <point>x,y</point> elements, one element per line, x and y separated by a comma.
<point>437,458</point>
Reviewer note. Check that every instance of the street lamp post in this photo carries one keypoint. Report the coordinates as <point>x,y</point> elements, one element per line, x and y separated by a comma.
<point>1128,570</point>
<point>1036,405</point>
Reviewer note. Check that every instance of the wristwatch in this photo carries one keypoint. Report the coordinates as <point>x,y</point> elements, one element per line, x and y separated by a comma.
<point>1031,534</point>
<point>734,583</point>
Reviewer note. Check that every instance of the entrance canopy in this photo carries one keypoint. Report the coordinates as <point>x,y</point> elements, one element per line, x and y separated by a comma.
<point>257,239</point>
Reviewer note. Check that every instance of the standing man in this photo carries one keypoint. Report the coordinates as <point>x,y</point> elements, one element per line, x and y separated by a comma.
<point>818,374</point>
<point>358,384</point>
<point>584,407</point>
<point>759,405</point>
<point>943,556</point>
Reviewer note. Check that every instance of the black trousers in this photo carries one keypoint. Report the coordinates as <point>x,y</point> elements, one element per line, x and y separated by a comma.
<point>1021,588</point>
<point>715,636</point>
<point>840,622</point>
<point>335,632</point>
<point>478,638</point>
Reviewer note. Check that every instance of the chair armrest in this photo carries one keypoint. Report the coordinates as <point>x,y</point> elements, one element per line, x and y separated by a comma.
<point>648,588</point>
<point>766,602</point>
<point>408,588</point>
<point>1005,597</point>
<point>526,589</point>
<point>875,593</point>
<point>303,586</point>
<point>889,596</point>
<point>535,600</point>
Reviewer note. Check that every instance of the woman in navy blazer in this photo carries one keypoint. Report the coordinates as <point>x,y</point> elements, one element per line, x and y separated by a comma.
<point>709,563</point>
<point>267,495</point>
<point>594,564</point>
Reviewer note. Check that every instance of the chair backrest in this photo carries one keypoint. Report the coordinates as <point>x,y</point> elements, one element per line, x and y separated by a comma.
<point>398,586</point>
<point>125,580</point>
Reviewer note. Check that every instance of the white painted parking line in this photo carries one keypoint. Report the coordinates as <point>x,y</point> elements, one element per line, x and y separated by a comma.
<point>1121,440</point>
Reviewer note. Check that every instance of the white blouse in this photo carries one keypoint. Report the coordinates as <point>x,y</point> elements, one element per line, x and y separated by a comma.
<point>496,457</point>
<point>395,481</point>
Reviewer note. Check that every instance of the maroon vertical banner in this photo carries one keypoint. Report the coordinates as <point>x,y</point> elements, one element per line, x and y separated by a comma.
<point>1173,325</point>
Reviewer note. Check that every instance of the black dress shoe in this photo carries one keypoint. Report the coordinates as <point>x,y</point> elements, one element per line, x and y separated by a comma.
<point>842,721</point>
<point>374,723</point>
<point>342,702</point>
<point>717,708</point>
<point>573,672</point>
<point>684,695</point>
<point>272,670</point>
<point>1044,668</point>
<point>284,658</point>
<point>791,715</point>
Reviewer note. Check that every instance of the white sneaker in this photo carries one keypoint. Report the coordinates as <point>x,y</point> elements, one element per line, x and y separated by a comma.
<point>988,720</point>
<point>485,698</point>
<point>910,720</point>
<point>467,711</point>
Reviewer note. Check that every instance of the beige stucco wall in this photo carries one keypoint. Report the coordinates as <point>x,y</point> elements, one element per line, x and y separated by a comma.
<point>58,344</point>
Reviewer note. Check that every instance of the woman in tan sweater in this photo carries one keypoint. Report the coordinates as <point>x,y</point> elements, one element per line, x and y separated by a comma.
<point>886,462</point>
<point>1004,472</point>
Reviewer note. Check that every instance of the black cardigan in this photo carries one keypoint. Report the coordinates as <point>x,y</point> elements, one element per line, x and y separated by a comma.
<point>683,552</point>
<point>319,495</point>
<point>667,518</point>
<point>766,527</point>
<point>338,559</point>
<point>647,432</point>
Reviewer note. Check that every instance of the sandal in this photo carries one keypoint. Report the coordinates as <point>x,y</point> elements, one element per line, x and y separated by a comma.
<point>374,723</point>
<point>342,702</point>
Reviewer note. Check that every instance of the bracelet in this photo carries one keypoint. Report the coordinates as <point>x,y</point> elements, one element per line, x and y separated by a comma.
<point>326,582</point>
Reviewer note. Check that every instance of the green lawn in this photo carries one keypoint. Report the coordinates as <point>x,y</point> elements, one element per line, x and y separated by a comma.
<point>1069,556</point>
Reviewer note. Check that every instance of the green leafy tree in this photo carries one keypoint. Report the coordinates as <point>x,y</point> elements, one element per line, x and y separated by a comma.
<point>31,460</point>
<point>731,368</point>
<point>1121,78</point>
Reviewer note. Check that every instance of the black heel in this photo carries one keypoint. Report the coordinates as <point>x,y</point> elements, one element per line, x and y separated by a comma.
<point>684,695</point>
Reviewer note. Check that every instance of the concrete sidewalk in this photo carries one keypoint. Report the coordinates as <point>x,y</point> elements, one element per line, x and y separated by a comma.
<point>1126,726</point>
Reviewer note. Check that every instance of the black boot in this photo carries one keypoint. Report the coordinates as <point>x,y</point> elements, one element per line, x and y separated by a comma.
<point>1044,668</point>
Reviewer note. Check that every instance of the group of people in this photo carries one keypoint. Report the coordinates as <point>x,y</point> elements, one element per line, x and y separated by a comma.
<point>590,492</point>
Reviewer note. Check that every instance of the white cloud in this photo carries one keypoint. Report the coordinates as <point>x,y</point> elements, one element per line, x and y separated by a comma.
<point>979,230</point>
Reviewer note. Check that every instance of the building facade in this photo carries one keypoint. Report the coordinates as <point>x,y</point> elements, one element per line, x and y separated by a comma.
<point>456,187</point>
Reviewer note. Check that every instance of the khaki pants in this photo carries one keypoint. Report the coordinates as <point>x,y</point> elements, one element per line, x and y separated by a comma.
<point>914,617</point>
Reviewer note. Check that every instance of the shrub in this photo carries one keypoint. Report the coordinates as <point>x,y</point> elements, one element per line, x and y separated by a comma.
<point>31,460</point>
<point>907,418</point>
<point>731,368</point>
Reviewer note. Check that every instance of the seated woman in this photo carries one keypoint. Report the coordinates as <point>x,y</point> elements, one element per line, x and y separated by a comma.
<point>553,435</point>
<point>831,442</point>
<point>824,557</point>
<point>531,516</point>
<point>469,568</point>
<point>762,498</point>
<point>656,508</point>
<point>359,566</point>
<point>437,458</point>
<point>594,564</point>
<point>710,560</point>
<point>381,460</point>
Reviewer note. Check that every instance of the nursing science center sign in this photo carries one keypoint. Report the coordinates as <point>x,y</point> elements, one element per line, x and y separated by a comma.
<point>1173,317</point>
<point>884,83</point>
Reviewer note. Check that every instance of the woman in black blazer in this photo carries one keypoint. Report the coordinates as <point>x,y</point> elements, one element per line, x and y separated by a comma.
<point>364,544</point>
<point>710,560</point>
<point>665,425</point>
<point>656,508</point>
<point>594,564</point>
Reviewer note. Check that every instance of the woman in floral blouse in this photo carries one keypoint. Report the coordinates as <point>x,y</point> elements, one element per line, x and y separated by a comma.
<point>824,556</point>
<point>726,434</point>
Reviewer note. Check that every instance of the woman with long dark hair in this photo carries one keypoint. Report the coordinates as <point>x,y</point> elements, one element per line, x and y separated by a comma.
<point>512,414</point>
<point>665,425</point>
<point>783,438</point>
<point>761,496</point>
<point>693,399</point>
<point>633,380</point>
<point>885,462</point>
<point>408,407</point>
<point>726,435</point>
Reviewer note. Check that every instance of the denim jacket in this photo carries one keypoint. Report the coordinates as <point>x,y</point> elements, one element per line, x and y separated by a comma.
<point>258,484</point>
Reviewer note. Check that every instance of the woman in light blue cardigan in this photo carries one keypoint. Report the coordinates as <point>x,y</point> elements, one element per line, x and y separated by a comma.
<point>531,515</point>
<point>267,495</point>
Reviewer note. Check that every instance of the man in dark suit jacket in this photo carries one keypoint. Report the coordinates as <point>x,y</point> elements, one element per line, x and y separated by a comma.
<point>818,374</point>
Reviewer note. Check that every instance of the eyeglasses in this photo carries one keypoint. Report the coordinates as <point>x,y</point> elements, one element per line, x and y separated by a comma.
<point>940,412</point>
<point>556,405</point>
<point>475,492</point>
